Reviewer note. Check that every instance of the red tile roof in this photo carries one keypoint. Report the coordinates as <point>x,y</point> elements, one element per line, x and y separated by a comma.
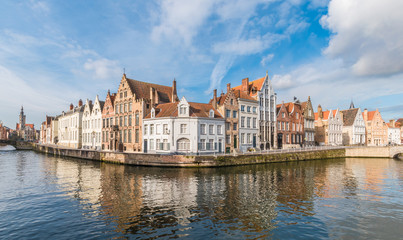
<point>196,110</point>
<point>243,95</point>
<point>371,115</point>
<point>256,84</point>
<point>142,90</point>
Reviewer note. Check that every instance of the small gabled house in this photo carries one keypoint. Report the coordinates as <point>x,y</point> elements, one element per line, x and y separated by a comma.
<point>109,132</point>
<point>328,127</point>
<point>184,127</point>
<point>353,127</point>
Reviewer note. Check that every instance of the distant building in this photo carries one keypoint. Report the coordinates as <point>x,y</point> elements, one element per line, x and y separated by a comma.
<point>184,127</point>
<point>25,131</point>
<point>353,126</point>
<point>4,132</point>
<point>393,133</point>
<point>376,129</point>
<point>290,125</point>
<point>399,123</point>
<point>309,122</point>
<point>92,124</point>
<point>328,127</point>
<point>70,126</point>
<point>109,132</point>
<point>45,135</point>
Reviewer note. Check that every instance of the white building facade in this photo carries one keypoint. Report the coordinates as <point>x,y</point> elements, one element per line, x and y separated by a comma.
<point>353,127</point>
<point>248,124</point>
<point>92,125</point>
<point>184,127</point>
<point>70,127</point>
<point>335,130</point>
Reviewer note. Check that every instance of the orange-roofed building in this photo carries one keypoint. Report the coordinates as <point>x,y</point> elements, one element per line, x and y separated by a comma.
<point>184,127</point>
<point>290,125</point>
<point>376,129</point>
<point>134,100</point>
<point>262,91</point>
<point>328,127</point>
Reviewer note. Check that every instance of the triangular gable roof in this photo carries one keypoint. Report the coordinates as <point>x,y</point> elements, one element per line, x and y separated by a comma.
<point>142,90</point>
<point>349,116</point>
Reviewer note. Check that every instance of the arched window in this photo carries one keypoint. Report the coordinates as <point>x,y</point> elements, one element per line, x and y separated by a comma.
<point>183,144</point>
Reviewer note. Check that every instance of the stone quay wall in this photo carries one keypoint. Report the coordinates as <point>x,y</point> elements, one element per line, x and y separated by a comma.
<point>160,160</point>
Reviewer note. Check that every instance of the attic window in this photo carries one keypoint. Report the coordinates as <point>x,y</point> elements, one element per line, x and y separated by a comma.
<point>153,113</point>
<point>211,113</point>
<point>182,109</point>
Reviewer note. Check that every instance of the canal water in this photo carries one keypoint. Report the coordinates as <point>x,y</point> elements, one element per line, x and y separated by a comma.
<point>43,197</point>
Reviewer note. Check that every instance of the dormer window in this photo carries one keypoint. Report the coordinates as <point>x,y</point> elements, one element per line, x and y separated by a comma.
<point>211,113</point>
<point>153,113</point>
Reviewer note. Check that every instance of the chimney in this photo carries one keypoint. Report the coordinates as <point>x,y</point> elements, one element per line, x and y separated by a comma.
<point>80,103</point>
<point>152,96</point>
<point>228,87</point>
<point>174,94</point>
<point>320,113</point>
<point>245,84</point>
<point>90,102</point>
<point>392,123</point>
<point>215,98</point>
<point>365,114</point>
<point>71,106</point>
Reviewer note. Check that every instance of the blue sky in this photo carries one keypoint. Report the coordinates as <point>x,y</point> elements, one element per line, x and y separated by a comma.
<point>53,53</point>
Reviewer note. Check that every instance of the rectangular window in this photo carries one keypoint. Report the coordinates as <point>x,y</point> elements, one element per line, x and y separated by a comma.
<point>227,126</point>
<point>137,119</point>
<point>121,108</point>
<point>183,128</point>
<point>125,107</point>
<point>254,122</point>
<point>228,114</point>
<point>129,136</point>
<point>158,144</point>
<point>130,106</point>
<point>248,122</point>
<point>125,94</point>
<point>130,120</point>
<point>242,138</point>
<point>234,114</point>
<point>235,126</point>
<point>211,129</point>
<point>242,108</point>
<point>202,129</point>
<point>137,136</point>
<point>125,121</point>
<point>120,121</point>
<point>227,139</point>
<point>202,144</point>
<point>248,109</point>
<point>151,144</point>
<point>248,138</point>
<point>103,123</point>
<point>254,109</point>
<point>125,135</point>
<point>145,129</point>
<point>165,128</point>
<point>151,129</point>
<point>242,121</point>
<point>219,129</point>
<point>116,110</point>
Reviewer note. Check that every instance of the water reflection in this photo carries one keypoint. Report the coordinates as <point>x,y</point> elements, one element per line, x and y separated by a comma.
<point>285,200</point>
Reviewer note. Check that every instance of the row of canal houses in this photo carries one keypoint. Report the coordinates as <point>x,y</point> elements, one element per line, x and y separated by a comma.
<point>151,118</point>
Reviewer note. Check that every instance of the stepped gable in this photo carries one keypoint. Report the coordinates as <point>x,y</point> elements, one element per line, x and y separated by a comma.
<point>195,110</point>
<point>349,116</point>
<point>142,90</point>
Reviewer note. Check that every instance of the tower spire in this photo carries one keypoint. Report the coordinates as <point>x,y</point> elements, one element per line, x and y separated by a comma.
<point>352,104</point>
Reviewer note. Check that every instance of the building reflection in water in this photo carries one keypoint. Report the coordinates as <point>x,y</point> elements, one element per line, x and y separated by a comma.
<point>248,199</point>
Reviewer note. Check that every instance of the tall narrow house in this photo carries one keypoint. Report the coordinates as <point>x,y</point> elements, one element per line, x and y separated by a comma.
<point>134,100</point>
<point>309,122</point>
<point>227,105</point>
<point>262,90</point>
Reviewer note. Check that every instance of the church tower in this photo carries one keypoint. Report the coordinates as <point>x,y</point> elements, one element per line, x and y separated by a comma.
<point>22,119</point>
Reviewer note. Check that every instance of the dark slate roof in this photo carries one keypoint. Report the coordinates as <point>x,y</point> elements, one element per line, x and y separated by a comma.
<point>349,116</point>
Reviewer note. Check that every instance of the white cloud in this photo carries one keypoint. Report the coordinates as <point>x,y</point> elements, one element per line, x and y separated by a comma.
<point>181,19</point>
<point>282,81</point>
<point>220,70</point>
<point>103,68</point>
<point>39,6</point>
<point>367,35</point>
<point>266,59</point>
